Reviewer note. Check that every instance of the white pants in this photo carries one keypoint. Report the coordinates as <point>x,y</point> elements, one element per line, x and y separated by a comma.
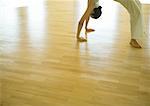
<point>135,10</point>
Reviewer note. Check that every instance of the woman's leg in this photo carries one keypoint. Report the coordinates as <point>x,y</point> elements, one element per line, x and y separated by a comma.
<point>134,7</point>
<point>136,20</point>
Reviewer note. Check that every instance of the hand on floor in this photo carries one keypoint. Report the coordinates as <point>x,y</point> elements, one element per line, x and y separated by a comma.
<point>81,39</point>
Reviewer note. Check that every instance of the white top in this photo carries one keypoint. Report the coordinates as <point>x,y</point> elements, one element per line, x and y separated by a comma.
<point>96,3</point>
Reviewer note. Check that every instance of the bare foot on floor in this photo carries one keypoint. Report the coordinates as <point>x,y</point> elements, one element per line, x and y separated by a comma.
<point>134,43</point>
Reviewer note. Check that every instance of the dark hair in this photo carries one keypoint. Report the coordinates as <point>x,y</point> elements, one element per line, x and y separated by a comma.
<point>97,12</point>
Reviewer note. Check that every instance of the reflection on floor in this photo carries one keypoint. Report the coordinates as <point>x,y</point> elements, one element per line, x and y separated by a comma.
<point>42,64</point>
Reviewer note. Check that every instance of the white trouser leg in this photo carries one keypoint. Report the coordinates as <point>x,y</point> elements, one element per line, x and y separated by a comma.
<point>134,8</point>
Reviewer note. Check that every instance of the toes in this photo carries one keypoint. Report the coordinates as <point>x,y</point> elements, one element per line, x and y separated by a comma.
<point>135,44</point>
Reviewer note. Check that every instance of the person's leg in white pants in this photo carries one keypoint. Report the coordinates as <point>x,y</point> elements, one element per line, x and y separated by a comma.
<point>134,8</point>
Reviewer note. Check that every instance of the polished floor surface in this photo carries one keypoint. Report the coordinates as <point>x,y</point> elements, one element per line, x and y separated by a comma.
<point>42,64</point>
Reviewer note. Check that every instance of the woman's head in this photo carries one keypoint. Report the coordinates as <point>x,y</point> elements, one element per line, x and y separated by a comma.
<point>97,12</point>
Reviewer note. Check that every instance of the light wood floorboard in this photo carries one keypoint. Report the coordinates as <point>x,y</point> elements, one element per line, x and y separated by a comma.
<point>42,64</point>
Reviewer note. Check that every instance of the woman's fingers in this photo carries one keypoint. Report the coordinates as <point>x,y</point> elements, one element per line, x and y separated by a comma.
<point>81,39</point>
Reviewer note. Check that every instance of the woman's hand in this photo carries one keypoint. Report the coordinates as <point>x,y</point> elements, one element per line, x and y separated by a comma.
<point>81,39</point>
<point>89,30</point>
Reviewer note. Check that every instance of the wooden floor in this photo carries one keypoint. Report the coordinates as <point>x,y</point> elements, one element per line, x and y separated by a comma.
<point>42,64</point>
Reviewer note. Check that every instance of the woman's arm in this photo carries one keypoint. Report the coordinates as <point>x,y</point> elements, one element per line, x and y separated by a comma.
<point>85,17</point>
<point>87,21</point>
<point>87,30</point>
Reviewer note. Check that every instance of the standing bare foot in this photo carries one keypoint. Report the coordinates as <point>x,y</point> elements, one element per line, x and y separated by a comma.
<point>134,43</point>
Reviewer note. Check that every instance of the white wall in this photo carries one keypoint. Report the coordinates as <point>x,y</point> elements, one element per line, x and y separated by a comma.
<point>145,1</point>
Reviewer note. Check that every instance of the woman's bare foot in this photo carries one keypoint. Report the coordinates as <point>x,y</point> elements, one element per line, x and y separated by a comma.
<point>134,43</point>
<point>81,39</point>
<point>89,30</point>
